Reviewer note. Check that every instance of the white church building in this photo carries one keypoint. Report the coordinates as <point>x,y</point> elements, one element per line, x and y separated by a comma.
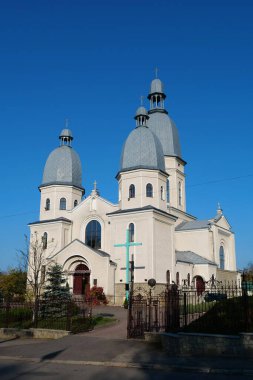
<point>81,233</point>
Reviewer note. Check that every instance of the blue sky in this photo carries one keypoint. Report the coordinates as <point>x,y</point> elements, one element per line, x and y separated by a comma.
<point>91,61</point>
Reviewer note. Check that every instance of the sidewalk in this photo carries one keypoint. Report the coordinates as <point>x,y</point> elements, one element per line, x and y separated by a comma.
<point>108,347</point>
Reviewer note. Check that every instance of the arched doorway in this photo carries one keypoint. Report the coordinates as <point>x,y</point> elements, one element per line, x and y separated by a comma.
<point>200,285</point>
<point>81,281</point>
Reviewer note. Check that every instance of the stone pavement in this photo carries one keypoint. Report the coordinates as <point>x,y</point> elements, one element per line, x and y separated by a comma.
<point>108,347</point>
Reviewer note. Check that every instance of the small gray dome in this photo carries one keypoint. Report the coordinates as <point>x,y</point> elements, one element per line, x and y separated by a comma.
<point>141,111</point>
<point>142,150</point>
<point>166,131</point>
<point>66,133</point>
<point>156,86</point>
<point>63,167</point>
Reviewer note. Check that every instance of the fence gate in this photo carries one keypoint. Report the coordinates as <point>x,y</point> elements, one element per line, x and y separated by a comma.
<point>148,312</point>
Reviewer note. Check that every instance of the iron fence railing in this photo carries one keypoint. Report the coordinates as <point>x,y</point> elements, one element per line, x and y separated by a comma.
<point>72,315</point>
<point>224,308</point>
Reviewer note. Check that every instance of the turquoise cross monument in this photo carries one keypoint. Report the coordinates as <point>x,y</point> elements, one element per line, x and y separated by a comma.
<point>127,244</point>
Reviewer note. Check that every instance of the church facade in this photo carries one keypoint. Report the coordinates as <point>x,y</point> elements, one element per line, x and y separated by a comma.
<point>81,233</point>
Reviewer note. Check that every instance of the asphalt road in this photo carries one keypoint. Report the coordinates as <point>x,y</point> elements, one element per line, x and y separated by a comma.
<point>10,370</point>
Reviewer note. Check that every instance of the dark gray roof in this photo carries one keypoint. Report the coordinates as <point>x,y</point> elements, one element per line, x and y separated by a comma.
<point>192,258</point>
<point>142,149</point>
<point>166,131</point>
<point>63,166</point>
<point>193,225</point>
<point>51,220</point>
<point>145,208</point>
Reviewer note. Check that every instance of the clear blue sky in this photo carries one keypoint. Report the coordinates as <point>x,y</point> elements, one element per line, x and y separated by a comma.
<point>91,61</point>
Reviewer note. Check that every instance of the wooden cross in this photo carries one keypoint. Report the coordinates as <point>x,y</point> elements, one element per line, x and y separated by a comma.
<point>127,244</point>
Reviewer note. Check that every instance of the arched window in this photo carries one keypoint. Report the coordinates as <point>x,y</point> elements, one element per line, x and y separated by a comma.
<point>47,207</point>
<point>149,190</point>
<point>75,202</point>
<point>177,278</point>
<point>131,232</point>
<point>168,277</point>
<point>44,241</point>
<point>222,258</point>
<point>188,279</point>
<point>63,204</point>
<point>168,190</point>
<point>93,234</point>
<point>132,191</point>
<point>180,193</point>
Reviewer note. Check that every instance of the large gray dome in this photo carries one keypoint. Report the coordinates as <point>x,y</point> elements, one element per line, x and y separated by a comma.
<point>142,150</point>
<point>166,131</point>
<point>63,167</point>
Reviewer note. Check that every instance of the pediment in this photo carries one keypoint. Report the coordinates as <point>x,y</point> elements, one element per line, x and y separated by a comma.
<point>222,222</point>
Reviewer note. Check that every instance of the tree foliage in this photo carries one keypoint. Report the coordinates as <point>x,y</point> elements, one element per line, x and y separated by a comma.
<point>56,293</point>
<point>13,285</point>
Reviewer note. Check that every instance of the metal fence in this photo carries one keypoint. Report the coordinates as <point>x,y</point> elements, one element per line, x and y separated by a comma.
<point>71,315</point>
<point>222,308</point>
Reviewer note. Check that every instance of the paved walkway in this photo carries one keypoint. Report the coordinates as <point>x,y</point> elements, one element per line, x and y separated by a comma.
<point>107,347</point>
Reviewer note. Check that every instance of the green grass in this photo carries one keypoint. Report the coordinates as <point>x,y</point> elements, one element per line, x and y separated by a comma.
<point>224,317</point>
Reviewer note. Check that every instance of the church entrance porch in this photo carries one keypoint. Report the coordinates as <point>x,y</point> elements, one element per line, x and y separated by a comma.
<point>81,280</point>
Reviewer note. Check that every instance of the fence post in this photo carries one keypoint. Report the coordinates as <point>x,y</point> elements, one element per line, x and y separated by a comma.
<point>185,309</point>
<point>69,315</point>
<point>7,313</point>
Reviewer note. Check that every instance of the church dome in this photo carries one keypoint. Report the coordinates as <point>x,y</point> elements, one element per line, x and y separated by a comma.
<point>141,111</point>
<point>63,166</point>
<point>166,131</point>
<point>156,87</point>
<point>142,150</point>
<point>159,121</point>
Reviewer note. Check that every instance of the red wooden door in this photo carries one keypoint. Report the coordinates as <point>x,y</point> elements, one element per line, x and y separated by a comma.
<point>81,280</point>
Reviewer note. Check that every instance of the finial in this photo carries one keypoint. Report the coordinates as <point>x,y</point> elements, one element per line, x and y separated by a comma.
<point>156,72</point>
<point>95,190</point>
<point>142,99</point>
<point>219,209</point>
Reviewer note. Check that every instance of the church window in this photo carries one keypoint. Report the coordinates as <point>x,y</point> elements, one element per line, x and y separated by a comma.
<point>168,277</point>
<point>168,190</point>
<point>177,279</point>
<point>47,207</point>
<point>180,193</point>
<point>131,232</point>
<point>132,191</point>
<point>93,234</point>
<point>75,203</point>
<point>149,190</point>
<point>222,258</point>
<point>63,204</point>
<point>162,193</point>
<point>44,241</point>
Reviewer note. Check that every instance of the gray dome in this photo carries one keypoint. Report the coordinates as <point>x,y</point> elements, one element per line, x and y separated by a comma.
<point>166,131</point>
<point>156,86</point>
<point>141,111</point>
<point>63,167</point>
<point>142,150</point>
<point>66,133</point>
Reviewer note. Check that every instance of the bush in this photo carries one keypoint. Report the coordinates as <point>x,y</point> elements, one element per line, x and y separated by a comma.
<point>97,296</point>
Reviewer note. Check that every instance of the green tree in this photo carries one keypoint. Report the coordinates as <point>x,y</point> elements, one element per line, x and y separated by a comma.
<point>13,285</point>
<point>56,295</point>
